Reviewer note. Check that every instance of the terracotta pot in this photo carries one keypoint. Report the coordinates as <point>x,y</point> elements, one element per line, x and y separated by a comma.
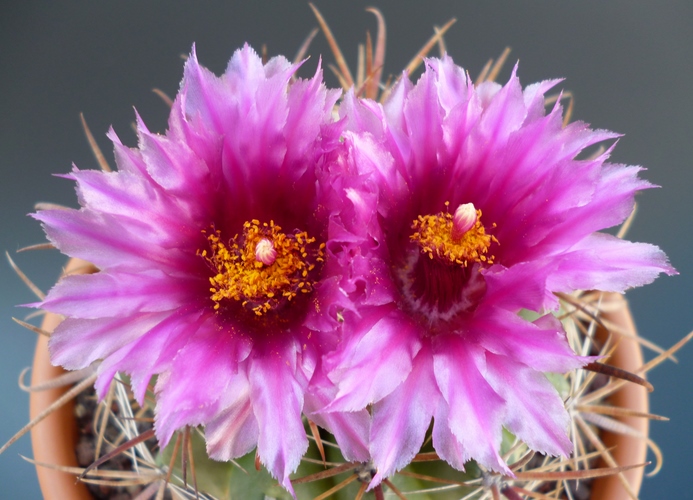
<point>627,450</point>
<point>53,440</point>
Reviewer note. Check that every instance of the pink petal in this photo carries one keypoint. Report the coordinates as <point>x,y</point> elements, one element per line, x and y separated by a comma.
<point>400,420</point>
<point>522,286</point>
<point>535,412</point>
<point>611,201</point>
<point>452,82</point>
<point>191,392</point>
<point>277,399</point>
<point>445,443</point>
<point>379,362</point>
<point>396,125</point>
<point>541,345</point>
<point>128,159</point>
<point>310,107</point>
<point>604,262</point>
<point>207,97</point>
<point>505,113</point>
<point>106,240</point>
<point>175,167</point>
<point>350,429</point>
<point>363,115</point>
<point>374,161</point>
<point>77,343</point>
<point>151,353</point>
<point>234,431</point>
<point>476,411</point>
<point>535,101</point>
<point>111,294</point>
<point>424,116</point>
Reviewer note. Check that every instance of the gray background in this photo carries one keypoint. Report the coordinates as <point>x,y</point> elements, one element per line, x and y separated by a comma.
<point>628,62</point>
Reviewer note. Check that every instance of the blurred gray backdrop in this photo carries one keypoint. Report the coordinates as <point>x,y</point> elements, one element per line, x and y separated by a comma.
<point>629,64</point>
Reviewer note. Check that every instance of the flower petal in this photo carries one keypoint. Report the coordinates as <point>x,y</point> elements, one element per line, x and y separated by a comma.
<point>476,411</point>
<point>191,392</point>
<point>375,365</point>
<point>535,412</point>
<point>175,167</point>
<point>234,431</point>
<point>445,443</point>
<point>542,345</point>
<point>522,286</point>
<point>277,399</point>
<point>350,429</point>
<point>107,241</point>
<point>111,294</point>
<point>400,420</point>
<point>604,262</point>
<point>77,343</point>
<point>151,353</point>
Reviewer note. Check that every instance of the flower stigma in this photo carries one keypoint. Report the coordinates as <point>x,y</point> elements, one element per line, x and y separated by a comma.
<point>463,220</point>
<point>265,252</point>
<point>456,239</point>
<point>263,268</point>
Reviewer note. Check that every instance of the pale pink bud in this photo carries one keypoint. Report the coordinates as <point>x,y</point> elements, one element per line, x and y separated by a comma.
<point>265,252</point>
<point>463,220</point>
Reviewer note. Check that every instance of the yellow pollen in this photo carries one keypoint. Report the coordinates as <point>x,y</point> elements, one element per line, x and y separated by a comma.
<point>262,268</point>
<point>437,237</point>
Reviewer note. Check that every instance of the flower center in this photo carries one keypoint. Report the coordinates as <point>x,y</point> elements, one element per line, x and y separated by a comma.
<point>456,239</point>
<point>263,268</point>
<point>440,276</point>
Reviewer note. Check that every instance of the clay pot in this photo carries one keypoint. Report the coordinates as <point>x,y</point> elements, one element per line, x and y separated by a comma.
<point>53,439</point>
<point>628,450</point>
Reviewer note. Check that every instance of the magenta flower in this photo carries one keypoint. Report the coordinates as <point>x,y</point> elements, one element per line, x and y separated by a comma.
<point>473,206</point>
<point>210,243</point>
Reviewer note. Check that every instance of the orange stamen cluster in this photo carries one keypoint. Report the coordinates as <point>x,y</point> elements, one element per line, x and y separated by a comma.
<point>244,274</point>
<point>434,234</point>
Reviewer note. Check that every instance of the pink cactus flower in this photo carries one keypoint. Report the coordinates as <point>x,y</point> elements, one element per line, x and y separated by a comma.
<point>467,205</point>
<point>210,242</point>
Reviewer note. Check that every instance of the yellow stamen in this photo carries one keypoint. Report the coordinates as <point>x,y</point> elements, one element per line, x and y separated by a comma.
<point>439,236</point>
<point>262,268</point>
